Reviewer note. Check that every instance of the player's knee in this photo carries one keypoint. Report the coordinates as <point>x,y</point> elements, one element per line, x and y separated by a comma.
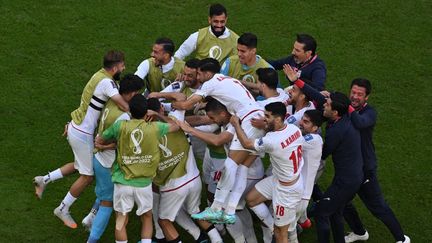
<point>164,222</point>
<point>87,179</point>
<point>279,230</point>
<point>251,199</point>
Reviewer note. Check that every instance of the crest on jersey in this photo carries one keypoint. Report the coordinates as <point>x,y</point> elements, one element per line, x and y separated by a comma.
<point>165,83</point>
<point>260,142</point>
<point>249,78</point>
<point>291,119</point>
<point>308,137</point>
<point>215,52</point>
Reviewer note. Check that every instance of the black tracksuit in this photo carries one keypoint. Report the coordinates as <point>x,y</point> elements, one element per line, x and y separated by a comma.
<point>342,141</point>
<point>370,192</point>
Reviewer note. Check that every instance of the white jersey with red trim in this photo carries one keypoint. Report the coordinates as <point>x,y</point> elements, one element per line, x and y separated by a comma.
<point>231,93</point>
<point>312,149</point>
<point>282,97</point>
<point>285,149</point>
<point>297,116</point>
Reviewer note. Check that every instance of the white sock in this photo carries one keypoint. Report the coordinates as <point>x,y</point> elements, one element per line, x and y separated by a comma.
<point>159,233</point>
<point>121,241</point>
<point>236,231</point>
<point>146,240</point>
<point>225,184</point>
<point>53,176</point>
<point>303,210</point>
<point>248,229</point>
<point>263,213</point>
<point>267,234</point>
<point>67,202</point>
<point>220,228</point>
<point>292,236</point>
<point>214,236</point>
<point>184,220</point>
<point>238,189</point>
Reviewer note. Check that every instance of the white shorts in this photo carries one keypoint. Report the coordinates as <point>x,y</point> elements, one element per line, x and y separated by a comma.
<point>251,131</point>
<point>188,196</point>
<point>82,145</point>
<point>125,196</point>
<point>212,171</point>
<point>285,199</point>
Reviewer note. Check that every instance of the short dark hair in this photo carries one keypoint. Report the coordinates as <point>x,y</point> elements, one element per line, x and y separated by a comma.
<point>153,104</point>
<point>138,106</point>
<point>209,65</point>
<point>362,82</point>
<point>192,63</point>
<point>112,58</point>
<point>214,105</point>
<point>277,109</point>
<point>248,39</point>
<point>268,76</point>
<point>217,9</point>
<point>315,117</point>
<point>339,103</point>
<point>167,45</point>
<point>308,42</point>
<point>130,83</point>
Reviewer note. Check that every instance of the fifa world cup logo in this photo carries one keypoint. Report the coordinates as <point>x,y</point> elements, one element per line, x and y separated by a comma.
<point>137,136</point>
<point>215,52</point>
<point>165,82</point>
<point>166,152</point>
<point>249,78</point>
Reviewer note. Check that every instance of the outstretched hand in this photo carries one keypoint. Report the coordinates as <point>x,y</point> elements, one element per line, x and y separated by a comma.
<point>290,73</point>
<point>184,126</point>
<point>234,120</point>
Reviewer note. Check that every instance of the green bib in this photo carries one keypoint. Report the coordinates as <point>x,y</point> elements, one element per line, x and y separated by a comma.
<point>174,149</point>
<point>138,154</point>
<point>157,81</point>
<point>109,115</point>
<point>209,45</point>
<point>236,69</point>
<point>79,114</point>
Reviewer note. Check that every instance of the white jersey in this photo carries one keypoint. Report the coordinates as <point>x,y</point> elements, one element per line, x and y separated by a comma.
<point>173,87</point>
<point>231,93</point>
<point>190,44</point>
<point>191,167</point>
<point>104,90</point>
<point>144,68</point>
<point>285,149</point>
<point>106,157</point>
<point>282,97</point>
<point>312,149</point>
<point>297,116</point>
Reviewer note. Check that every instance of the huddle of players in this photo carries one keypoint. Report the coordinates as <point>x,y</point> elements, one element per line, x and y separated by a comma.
<point>143,156</point>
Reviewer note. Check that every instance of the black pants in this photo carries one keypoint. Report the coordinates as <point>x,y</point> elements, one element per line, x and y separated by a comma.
<point>328,212</point>
<point>372,197</point>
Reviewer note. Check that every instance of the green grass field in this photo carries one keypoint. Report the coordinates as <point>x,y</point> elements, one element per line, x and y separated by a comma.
<point>49,50</point>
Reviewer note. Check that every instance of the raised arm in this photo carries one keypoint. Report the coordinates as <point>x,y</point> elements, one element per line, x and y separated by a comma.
<point>187,104</point>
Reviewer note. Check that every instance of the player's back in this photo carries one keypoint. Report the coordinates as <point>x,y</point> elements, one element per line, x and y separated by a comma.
<point>286,157</point>
<point>231,93</point>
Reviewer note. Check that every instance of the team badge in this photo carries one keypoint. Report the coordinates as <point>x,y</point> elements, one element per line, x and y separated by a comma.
<point>308,137</point>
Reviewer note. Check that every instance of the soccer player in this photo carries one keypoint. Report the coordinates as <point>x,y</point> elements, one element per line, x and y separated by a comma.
<point>213,164</point>
<point>312,150</point>
<point>130,85</point>
<point>238,100</point>
<point>300,103</point>
<point>304,61</point>
<point>98,90</point>
<point>136,164</point>
<point>215,41</point>
<point>342,141</point>
<point>283,142</point>
<point>243,66</point>
<point>178,181</point>
<point>363,116</point>
<point>161,69</point>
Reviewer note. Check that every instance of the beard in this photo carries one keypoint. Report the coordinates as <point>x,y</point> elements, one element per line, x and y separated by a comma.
<point>116,76</point>
<point>217,33</point>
